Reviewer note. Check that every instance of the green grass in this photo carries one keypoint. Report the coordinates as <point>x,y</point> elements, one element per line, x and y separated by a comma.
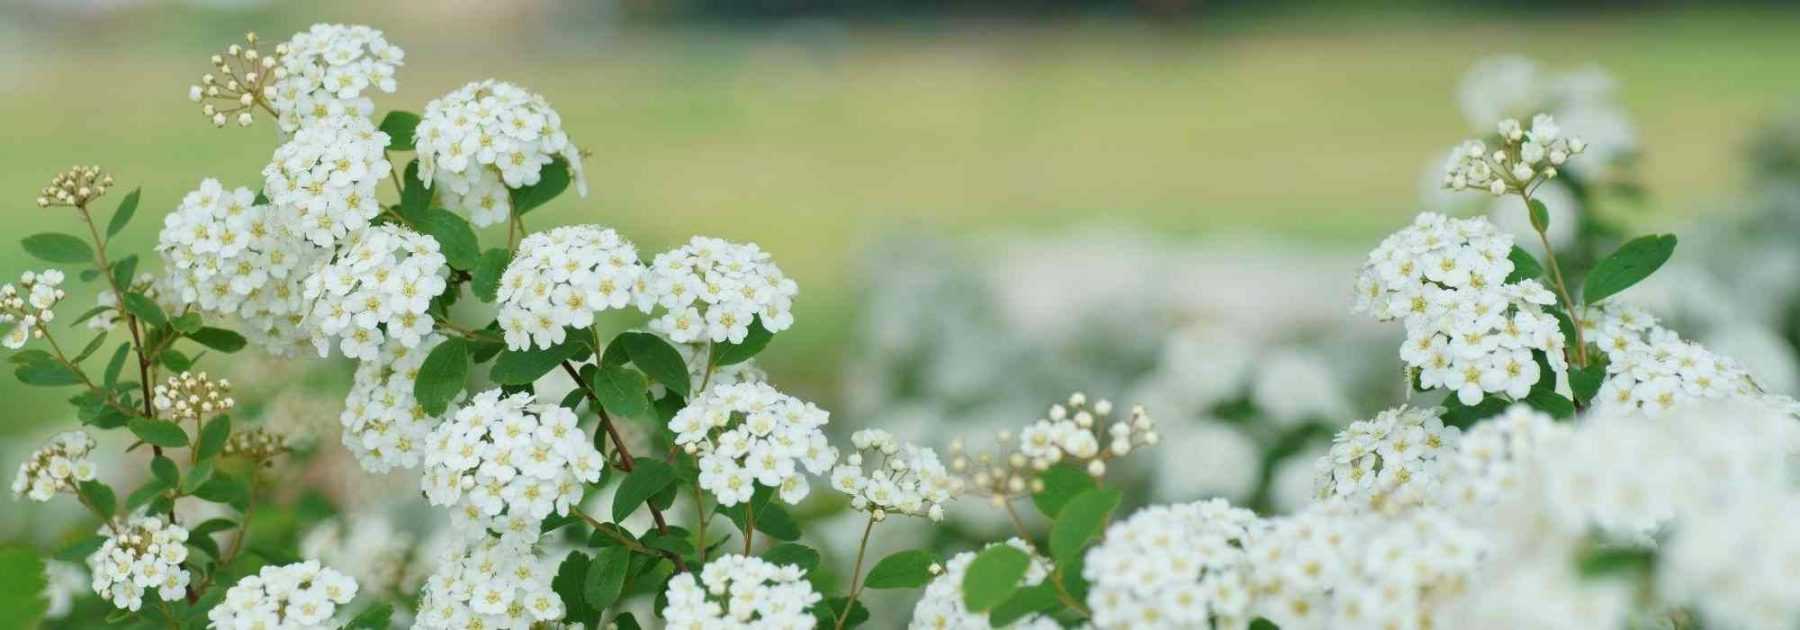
<point>811,143</point>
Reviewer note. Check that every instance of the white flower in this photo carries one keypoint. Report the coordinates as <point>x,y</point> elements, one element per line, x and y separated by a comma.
<point>1491,458</point>
<point>1735,566</point>
<point>942,607</point>
<point>378,288</point>
<point>142,553</point>
<point>384,426</point>
<point>1653,368</point>
<point>295,596</point>
<point>367,547</point>
<point>504,464</point>
<point>490,583</point>
<point>27,306</point>
<point>486,138</point>
<point>324,71</point>
<point>322,182</point>
<point>1391,461</point>
<point>57,467</point>
<point>223,253</point>
<point>1172,566</point>
<point>561,279</point>
<point>894,478</point>
<point>740,592</point>
<point>711,290</point>
<point>1522,160</point>
<point>749,434</point>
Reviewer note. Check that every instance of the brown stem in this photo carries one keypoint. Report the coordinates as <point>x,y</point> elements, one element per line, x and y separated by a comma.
<point>137,340</point>
<point>626,463</point>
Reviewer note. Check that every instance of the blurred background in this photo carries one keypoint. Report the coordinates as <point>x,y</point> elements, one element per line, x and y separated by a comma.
<point>988,205</point>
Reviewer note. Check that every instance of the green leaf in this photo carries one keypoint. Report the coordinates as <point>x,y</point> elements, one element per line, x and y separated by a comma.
<point>415,198</point>
<point>150,491</point>
<point>212,437</point>
<point>1540,215</point>
<point>552,180</point>
<point>175,360</point>
<point>159,432</point>
<point>88,350</point>
<point>124,271</point>
<point>724,354</point>
<point>442,376</point>
<point>606,577</point>
<point>993,576</point>
<point>1463,416</point>
<point>569,584</point>
<point>828,611</point>
<point>622,391</point>
<point>647,477</point>
<point>377,616</point>
<point>1080,521</point>
<point>198,476</point>
<point>46,373</point>
<point>165,471</point>
<point>226,341</point>
<point>523,367</point>
<point>1548,401</point>
<point>186,323</point>
<point>116,364</point>
<point>1612,561</point>
<point>100,496</point>
<point>1040,599</point>
<point>454,236</point>
<point>793,554</point>
<point>1586,381</point>
<point>80,548</point>
<point>223,489</point>
<point>659,360</point>
<point>486,277</point>
<point>907,569</point>
<point>1633,262</point>
<point>1062,482</point>
<point>22,584</point>
<point>58,248</point>
<point>144,308</point>
<point>399,126</point>
<point>122,216</point>
<point>1525,266</point>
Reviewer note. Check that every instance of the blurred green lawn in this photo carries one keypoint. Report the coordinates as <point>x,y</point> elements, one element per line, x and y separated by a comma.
<point>812,140</point>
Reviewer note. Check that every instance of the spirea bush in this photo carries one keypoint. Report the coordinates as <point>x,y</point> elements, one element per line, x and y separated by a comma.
<point>1565,461</point>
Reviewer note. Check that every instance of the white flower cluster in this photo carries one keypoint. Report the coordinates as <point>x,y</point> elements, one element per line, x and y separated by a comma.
<point>491,583</point>
<point>907,479</point>
<point>1392,461</point>
<point>741,592</point>
<point>747,434</point>
<point>1173,566</point>
<point>192,398</point>
<point>245,78</point>
<point>140,554</point>
<point>486,138</point>
<point>323,72</point>
<point>322,182</point>
<point>560,279</point>
<point>1491,458</point>
<point>367,547</point>
<point>56,467</point>
<point>1072,433</point>
<point>1651,367</point>
<point>1329,567</point>
<point>222,254</point>
<point>296,596</point>
<point>1735,566</point>
<point>384,426</point>
<point>1525,158</point>
<point>505,464</point>
<point>27,306</point>
<point>942,607</point>
<point>711,290</point>
<point>384,280</point>
<point>1468,330</point>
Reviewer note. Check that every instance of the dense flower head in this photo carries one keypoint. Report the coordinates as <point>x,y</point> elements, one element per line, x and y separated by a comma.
<point>1391,461</point>
<point>1652,367</point>
<point>1491,458</point>
<point>906,479</point>
<point>942,606</point>
<point>1172,566</point>
<point>712,290</point>
<point>1073,433</point>
<point>1526,157</point>
<point>747,434</point>
<point>296,596</point>
<point>505,463</point>
<point>560,279</point>
<point>378,288</point>
<point>490,583</point>
<point>486,138</point>
<point>740,592</point>
<point>139,554</point>
<point>223,253</point>
<point>323,72</point>
<point>75,187</point>
<point>191,397</point>
<point>1468,329</point>
<point>28,305</point>
<point>322,181</point>
<point>384,426</point>
<point>56,467</point>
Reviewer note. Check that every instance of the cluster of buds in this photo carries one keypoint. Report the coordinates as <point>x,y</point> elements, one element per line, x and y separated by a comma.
<point>1077,432</point>
<point>191,396</point>
<point>28,306</point>
<point>243,79</point>
<point>57,467</point>
<point>905,479</point>
<point>1525,158</point>
<point>75,187</point>
<point>256,443</point>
